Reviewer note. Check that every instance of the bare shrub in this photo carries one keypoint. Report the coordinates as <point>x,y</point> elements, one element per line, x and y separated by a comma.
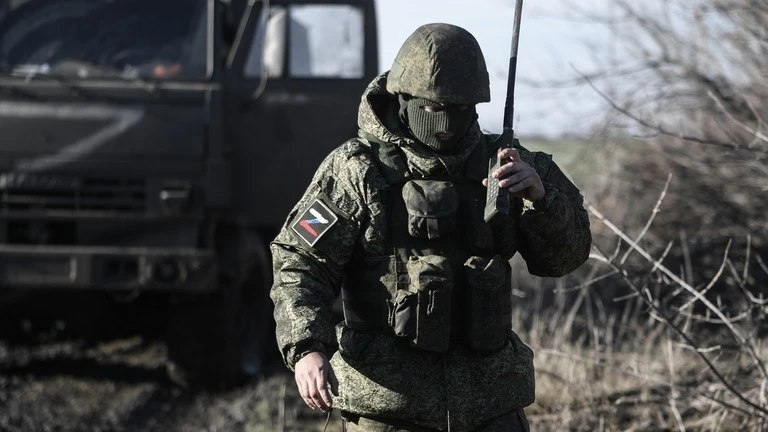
<point>665,327</point>
<point>698,112</point>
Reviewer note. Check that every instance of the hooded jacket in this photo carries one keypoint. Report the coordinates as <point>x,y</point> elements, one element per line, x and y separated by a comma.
<point>381,376</point>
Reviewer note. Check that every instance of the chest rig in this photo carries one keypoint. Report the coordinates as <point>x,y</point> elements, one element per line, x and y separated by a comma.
<point>443,281</point>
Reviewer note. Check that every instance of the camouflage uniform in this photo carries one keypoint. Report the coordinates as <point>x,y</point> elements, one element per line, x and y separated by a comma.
<point>382,376</point>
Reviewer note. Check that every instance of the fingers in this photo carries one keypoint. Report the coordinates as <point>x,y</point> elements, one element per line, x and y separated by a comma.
<point>514,179</point>
<point>320,393</point>
<point>510,153</point>
<point>511,159</point>
<point>508,169</point>
<point>522,185</point>
<point>312,378</point>
<point>303,387</point>
<point>312,390</point>
<point>515,175</point>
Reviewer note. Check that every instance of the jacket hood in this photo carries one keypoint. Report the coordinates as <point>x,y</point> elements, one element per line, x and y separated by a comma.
<point>378,120</point>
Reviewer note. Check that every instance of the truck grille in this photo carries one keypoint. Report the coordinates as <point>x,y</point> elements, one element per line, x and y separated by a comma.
<point>32,192</point>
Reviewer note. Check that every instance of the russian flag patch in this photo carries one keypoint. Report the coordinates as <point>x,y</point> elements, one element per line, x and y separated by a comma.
<point>314,222</point>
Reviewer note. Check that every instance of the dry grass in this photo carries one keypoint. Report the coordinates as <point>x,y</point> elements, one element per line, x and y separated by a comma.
<point>647,382</point>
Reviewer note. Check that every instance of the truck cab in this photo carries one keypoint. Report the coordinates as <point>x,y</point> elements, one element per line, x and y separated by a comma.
<point>157,147</point>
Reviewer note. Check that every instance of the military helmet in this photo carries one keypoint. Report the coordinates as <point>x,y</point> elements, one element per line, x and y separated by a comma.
<point>441,63</point>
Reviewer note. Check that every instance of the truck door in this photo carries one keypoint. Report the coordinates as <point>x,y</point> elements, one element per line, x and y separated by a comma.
<point>295,79</point>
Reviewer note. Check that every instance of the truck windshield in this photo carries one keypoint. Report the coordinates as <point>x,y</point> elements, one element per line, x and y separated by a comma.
<point>103,38</point>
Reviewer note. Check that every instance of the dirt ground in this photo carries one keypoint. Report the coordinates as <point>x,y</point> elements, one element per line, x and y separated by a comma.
<point>97,365</point>
<point>101,367</point>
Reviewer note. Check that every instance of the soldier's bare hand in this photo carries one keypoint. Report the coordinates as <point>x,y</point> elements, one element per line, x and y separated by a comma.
<point>519,178</point>
<point>313,374</point>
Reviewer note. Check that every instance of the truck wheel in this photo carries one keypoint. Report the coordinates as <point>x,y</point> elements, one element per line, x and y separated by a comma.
<point>218,341</point>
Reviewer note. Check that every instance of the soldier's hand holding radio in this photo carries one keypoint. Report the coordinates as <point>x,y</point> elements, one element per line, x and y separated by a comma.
<point>519,178</point>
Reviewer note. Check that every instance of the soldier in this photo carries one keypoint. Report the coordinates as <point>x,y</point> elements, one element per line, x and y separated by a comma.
<point>393,222</point>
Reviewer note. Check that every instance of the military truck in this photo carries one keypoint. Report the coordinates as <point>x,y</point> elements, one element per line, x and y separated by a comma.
<point>155,147</point>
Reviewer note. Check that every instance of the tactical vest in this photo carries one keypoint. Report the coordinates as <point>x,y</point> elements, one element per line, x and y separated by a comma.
<point>444,282</point>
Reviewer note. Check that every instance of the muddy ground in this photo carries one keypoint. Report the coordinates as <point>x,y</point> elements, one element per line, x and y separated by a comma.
<point>93,364</point>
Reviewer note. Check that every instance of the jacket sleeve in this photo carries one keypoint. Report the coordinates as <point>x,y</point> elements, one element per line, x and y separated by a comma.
<point>555,236</point>
<point>308,277</point>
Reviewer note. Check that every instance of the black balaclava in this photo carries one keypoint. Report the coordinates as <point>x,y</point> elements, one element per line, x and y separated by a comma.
<point>424,125</point>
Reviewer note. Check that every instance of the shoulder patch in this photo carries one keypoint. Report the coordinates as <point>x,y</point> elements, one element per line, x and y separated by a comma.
<point>314,222</point>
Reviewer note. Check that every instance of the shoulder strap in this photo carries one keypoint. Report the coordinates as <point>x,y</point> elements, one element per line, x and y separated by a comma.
<point>390,159</point>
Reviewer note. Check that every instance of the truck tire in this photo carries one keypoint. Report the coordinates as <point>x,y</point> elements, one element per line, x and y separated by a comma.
<point>218,341</point>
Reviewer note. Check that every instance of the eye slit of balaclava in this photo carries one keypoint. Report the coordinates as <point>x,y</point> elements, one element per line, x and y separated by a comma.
<point>435,107</point>
<point>425,119</point>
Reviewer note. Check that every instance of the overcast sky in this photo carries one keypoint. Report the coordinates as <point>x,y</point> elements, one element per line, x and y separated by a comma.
<point>550,48</point>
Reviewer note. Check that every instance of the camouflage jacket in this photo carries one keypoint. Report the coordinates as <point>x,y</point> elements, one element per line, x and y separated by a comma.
<point>381,375</point>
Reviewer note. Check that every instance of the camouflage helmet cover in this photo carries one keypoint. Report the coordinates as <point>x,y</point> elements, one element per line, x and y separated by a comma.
<point>441,63</point>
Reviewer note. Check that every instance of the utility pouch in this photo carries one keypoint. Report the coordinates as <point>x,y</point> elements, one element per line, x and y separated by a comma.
<point>489,302</point>
<point>403,313</point>
<point>423,312</point>
<point>431,206</point>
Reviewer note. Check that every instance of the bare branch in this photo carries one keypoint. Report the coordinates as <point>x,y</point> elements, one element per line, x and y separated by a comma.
<point>702,350</point>
<point>714,279</point>
<point>661,130</point>
<point>654,212</point>
<point>745,273</point>
<point>761,263</point>
<point>734,331</point>
<point>704,319</point>
<point>756,133</point>
<point>588,283</point>
<point>712,368</point>
<point>743,287</point>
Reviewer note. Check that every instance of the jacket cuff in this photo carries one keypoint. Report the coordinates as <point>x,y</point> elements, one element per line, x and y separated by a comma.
<point>549,214</point>
<point>543,204</point>
<point>301,349</point>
